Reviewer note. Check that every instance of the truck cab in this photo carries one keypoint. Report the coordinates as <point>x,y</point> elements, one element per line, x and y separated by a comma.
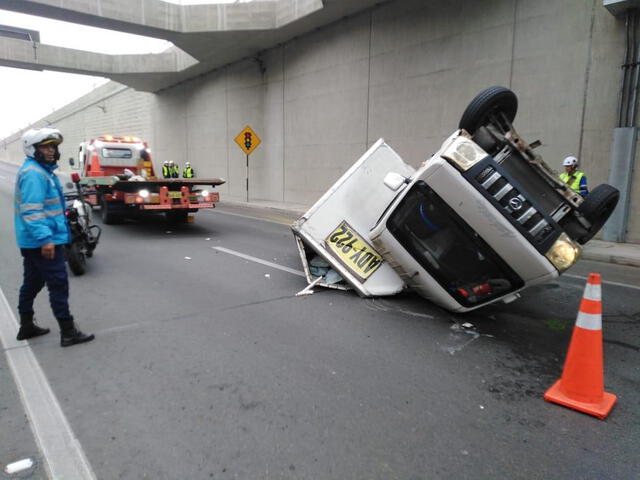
<point>478,222</point>
<point>109,155</point>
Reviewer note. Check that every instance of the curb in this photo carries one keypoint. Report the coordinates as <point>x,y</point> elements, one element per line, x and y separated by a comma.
<point>611,258</point>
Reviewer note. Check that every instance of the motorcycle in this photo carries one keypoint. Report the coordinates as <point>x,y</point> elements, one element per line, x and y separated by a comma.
<point>84,235</point>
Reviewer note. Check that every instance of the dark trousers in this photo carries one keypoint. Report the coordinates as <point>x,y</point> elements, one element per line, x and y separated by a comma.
<point>38,272</point>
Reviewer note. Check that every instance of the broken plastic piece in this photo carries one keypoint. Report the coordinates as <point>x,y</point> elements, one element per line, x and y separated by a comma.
<point>318,261</point>
<point>19,466</point>
<point>332,277</point>
<point>308,289</point>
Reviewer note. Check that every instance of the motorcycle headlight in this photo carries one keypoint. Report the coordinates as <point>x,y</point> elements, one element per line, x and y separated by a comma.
<point>144,193</point>
<point>564,253</point>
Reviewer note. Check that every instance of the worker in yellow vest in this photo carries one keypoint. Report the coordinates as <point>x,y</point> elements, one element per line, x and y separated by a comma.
<point>165,170</point>
<point>174,170</point>
<point>574,178</point>
<point>188,171</point>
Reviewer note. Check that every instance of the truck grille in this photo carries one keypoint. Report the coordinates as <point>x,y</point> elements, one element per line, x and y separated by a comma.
<point>514,204</point>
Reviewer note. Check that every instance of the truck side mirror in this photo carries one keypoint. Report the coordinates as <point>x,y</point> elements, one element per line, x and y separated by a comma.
<point>71,161</point>
<point>394,181</point>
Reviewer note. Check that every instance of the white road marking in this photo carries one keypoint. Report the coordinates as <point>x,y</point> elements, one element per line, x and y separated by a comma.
<point>270,220</point>
<point>3,177</point>
<point>259,260</point>
<point>604,282</point>
<point>63,455</point>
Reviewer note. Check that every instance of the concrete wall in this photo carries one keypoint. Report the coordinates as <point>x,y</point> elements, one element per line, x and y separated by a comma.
<point>404,71</point>
<point>110,108</point>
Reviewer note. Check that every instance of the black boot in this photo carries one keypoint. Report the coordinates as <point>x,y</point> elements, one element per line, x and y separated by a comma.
<point>28,328</point>
<point>70,335</point>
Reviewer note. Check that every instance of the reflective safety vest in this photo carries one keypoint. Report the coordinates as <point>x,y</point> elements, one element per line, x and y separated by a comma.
<point>165,171</point>
<point>175,171</point>
<point>188,172</point>
<point>39,206</point>
<point>577,182</point>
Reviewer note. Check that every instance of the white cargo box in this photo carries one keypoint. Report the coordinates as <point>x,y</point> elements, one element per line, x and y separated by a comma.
<point>337,226</point>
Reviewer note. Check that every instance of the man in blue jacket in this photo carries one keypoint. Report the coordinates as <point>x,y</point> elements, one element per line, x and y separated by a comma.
<point>41,232</point>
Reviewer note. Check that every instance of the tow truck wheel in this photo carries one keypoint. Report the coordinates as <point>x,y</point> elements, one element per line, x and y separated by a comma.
<point>76,259</point>
<point>489,103</point>
<point>107,214</point>
<point>597,207</point>
<point>177,217</point>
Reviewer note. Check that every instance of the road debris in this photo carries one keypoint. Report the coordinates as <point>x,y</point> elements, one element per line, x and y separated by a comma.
<point>308,289</point>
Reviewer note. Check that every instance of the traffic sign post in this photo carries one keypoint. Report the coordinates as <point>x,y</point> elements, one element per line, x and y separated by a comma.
<point>248,141</point>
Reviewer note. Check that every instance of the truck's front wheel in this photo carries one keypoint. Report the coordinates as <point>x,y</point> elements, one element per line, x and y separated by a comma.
<point>488,106</point>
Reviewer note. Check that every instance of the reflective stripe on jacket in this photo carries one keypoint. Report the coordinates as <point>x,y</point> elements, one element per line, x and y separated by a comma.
<point>39,206</point>
<point>577,182</point>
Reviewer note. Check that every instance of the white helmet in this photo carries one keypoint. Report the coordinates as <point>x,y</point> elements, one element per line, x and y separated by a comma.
<point>166,162</point>
<point>570,162</point>
<point>36,136</point>
<point>187,164</point>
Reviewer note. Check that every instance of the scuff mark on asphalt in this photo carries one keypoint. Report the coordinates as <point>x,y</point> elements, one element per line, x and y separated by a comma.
<point>381,306</point>
<point>249,304</point>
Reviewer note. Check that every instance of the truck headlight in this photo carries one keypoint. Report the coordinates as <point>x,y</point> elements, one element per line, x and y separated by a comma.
<point>144,193</point>
<point>204,193</point>
<point>564,253</point>
<point>463,153</point>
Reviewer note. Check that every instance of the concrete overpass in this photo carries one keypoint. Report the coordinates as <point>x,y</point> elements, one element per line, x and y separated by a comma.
<point>206,37</point>
<point>321,80</point>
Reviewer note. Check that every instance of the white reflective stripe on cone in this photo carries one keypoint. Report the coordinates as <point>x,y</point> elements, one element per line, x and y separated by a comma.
<point>592,292</point>
<point>589,321</point>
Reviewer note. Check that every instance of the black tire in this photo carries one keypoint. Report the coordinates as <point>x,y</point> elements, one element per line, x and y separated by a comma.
<point>177,217</point>
<point>109,217</point>
<point>76,259</point>
<point>597,207</point>
<point>489,102</point>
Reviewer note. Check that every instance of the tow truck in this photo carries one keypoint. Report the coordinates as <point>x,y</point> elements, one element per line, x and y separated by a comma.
<point>482,219</point>
<point>118,176</point>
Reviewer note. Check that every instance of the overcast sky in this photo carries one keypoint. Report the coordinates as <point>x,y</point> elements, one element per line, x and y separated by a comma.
<point>26,95</point>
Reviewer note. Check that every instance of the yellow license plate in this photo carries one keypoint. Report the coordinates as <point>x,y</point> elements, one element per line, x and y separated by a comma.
<point>175,194</point>
<point>352,251</point>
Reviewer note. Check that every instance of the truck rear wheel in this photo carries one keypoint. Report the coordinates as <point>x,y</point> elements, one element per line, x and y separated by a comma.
<point>492,101</point>
<point>177,217</point>
<point>109,217</point>
<point>597,207</point>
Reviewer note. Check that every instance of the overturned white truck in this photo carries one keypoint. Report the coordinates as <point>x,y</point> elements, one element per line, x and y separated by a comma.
<point>479,221</point>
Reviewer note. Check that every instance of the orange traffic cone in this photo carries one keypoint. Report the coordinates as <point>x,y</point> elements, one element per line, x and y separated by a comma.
<point>581,386</point>
<point>95,170</point>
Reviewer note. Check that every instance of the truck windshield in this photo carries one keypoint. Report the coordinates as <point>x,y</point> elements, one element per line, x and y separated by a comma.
<point>449,249</point>
<point>116,153</point>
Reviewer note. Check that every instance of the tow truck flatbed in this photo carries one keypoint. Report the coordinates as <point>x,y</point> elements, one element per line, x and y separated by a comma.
<point>132,185</point>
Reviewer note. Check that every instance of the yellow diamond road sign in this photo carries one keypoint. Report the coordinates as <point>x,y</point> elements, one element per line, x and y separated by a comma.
<point>247,140</point>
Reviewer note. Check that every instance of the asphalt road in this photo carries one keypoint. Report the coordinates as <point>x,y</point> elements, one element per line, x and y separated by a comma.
<point>206,365</point>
